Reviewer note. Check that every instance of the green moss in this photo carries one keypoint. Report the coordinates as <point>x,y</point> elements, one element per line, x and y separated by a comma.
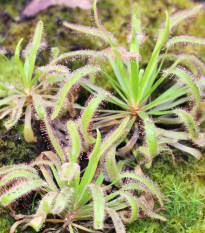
<point>5,222</point>
<point>184,203</point>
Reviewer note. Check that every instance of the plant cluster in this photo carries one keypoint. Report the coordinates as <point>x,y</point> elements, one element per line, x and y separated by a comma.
<point>102,190</point>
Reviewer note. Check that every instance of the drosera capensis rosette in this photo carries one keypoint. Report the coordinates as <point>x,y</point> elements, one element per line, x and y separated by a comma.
<point>137,90</point>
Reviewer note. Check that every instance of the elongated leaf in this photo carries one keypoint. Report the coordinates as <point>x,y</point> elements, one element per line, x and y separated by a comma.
<point>62,200</point>
<point>99,206</point>
<point>13,168</point>
<point>32,53</point>
<point>91,168</point>
<point>75,141</point>
<point>151,67</point>
<point>18,191</point>
<point>8,99</point>
<point>88,114</point>
<point>196,153</point>
<point>89,31</point>
<point>119,227</point>
<point>39,107</point>
<point>76,55</point>
<point>53,139</point>
<point>145,207</point>
<point>187,78</point>
<point>28,132</point>
<point>182,15</point>
<point>68,85</point>
<point>185,40</point>
<point>188,120</point>
<point>19,64</point>
<point>150,134</point>
<point>56,68</point>
<point>16,113</point>
<point>111,166</point>
<point>134,207</point>
<point>115,137</point>
<point>15,175</point>
<point>145,181</point>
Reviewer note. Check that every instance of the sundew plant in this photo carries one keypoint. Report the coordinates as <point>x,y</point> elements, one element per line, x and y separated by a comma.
<point>22,95</point>
<point>138,91</point>
<point>69,195</point>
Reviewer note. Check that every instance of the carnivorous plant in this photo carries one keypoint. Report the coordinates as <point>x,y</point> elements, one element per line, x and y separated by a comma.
<point>145,93</point>
<point>33,81</point>
<point>72,195</point>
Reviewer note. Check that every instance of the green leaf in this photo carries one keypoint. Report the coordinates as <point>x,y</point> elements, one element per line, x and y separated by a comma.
<point>75,76</point>
<point>90,170</point>
<point>53,139</point>
<point>28,132</point>
<point>62,200</point>
<point>115,137</point>
<point>145,181</point>
<point>150,133</point>
<point>146,208</point>
<point>68,172</point>
<point>19,64</point>
<point>88,114</point>
<point>118,224</point>
<point>8,99</point>
<point>188,120</point>
<point>182,15</point>
<point>187,78</point>
<point>33,49</point>
<point>15,175</point>
<point>37,222</point>
<point>75,55</point>
<point>185,40</point>
<point>12,168</point>
<point>56,68</point>
<point>194,152</point>
<point>75,141</point>
<point>39,107</point>
<point>99,206</point>
<point>111,166</point>
<point>151,67</point>
<point>16,192</point>
<point>16,113</point>
<point>134,207</point>
<point>90,31</point>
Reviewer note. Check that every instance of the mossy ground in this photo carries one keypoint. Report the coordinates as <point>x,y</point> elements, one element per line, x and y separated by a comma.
<point>115,16</point>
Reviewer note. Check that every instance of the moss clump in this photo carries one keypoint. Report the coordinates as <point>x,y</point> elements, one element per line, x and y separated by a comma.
<point>183,202</point>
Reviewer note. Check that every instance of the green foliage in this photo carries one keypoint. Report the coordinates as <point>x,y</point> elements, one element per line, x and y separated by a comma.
<point>136,88</point>
<point>30,81</point>
<point>76,197</point>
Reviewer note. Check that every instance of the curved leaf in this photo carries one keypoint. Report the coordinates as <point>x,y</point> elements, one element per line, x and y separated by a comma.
<point>88,114</point>
<point>16,192</point>
<point>187,78</point>
<point>188,120</point>
<point>75,76</point>
<point>134,207</point>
